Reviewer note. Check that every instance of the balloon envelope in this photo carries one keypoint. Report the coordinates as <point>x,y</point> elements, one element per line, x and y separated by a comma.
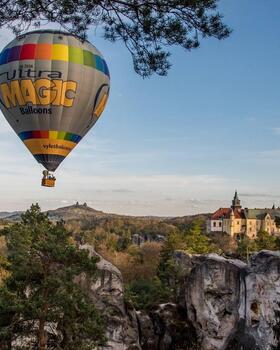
<point>53,88</point>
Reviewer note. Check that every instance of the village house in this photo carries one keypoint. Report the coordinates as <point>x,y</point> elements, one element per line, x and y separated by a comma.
<point>238,222</point>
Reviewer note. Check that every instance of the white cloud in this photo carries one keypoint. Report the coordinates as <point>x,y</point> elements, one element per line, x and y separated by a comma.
<point>162,195</point>
<point>166,183</point>
<point>127,194</point>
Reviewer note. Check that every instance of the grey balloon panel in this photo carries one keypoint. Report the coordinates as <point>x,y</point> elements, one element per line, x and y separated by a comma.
<point>73,119</point>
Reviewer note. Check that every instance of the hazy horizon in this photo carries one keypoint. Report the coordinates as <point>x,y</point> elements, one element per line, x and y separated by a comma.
<point>166,206</point>
<point>175,145</point>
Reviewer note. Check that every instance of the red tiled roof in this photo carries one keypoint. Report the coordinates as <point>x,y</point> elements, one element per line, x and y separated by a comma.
<point>225,213</point>
<point>220,213</point>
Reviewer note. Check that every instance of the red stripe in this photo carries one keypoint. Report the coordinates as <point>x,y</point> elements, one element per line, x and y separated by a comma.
<point>44,134</point>
<point>27,52</point>
<point>36,134</point>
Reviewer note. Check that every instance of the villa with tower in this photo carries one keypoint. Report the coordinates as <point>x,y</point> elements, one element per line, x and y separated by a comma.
<point>237,221</point>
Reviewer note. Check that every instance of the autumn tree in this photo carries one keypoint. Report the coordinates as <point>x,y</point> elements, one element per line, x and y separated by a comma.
<point>223,242</point>
<point>40,292</point>
<point>147,28</point>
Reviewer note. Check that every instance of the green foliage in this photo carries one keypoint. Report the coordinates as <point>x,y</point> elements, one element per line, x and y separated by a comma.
<point>144,294</point>
<point>277,243</point>
<point>167,269</point>
<point>115,233</point>
<point>246,247</point>
<point>196,242</point>
<point>191,240</point>
<point>123,243</point>
<point>146,28</point>
<point>40,288</point>
<point>266,241</point>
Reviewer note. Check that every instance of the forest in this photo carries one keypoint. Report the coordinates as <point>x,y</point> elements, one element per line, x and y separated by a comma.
<point>143,248</point>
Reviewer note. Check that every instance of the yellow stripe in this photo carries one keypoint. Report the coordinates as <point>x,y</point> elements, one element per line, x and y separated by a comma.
<point>100,108</point>
<point>60,52</point>
<point>53,135</point>
<point>49,146</point>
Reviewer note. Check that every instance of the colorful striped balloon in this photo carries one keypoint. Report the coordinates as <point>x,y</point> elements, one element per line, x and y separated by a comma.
<point>53,88</point>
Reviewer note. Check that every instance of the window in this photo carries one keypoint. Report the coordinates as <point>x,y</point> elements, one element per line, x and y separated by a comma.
<point>220,224</point>
<point>237,222</point>
<point>214,224</point>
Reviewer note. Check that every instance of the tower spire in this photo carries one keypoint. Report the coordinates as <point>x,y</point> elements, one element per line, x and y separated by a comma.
<point>236,202</point>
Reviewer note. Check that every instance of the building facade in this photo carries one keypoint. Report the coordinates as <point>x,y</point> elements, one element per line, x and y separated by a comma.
<point>238,222</point>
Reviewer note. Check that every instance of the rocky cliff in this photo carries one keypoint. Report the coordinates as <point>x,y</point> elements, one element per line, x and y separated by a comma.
<point>107,292</point>
<point>232,305</point>
<point>224,305</point>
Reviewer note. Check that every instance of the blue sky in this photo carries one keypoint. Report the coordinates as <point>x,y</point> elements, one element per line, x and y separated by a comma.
<point>173,145</point>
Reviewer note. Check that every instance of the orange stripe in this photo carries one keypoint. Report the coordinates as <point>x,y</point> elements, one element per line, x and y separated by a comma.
<point>49,146</point>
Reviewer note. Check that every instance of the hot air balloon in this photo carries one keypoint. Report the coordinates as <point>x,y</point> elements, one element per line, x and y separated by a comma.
<point>53,89</point>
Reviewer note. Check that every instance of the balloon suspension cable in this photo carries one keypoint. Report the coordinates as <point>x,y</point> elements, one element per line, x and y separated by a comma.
<point>48,179</point>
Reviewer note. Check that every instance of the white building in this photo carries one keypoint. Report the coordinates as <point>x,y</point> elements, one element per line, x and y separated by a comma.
<point>237,221</point>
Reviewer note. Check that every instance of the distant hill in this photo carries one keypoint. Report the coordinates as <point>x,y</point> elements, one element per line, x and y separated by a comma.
<point>4,214</point>
<point>186,219</point>
<point>72,212</point>
<point>84,215</point>
<point>14,215</point>
<point>75,212</point>
<point>112,232</point>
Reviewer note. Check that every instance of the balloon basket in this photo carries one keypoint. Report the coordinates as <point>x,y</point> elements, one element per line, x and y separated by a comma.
<point>48,183</point>
<point>48,180</point>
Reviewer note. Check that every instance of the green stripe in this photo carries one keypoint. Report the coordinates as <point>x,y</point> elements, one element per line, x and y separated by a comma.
<point>75,55</point>
<point>61,135</point>
<point>89,59</point>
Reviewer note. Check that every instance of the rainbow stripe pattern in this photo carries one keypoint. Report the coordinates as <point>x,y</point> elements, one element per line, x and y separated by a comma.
<point>57,52</point>
<point>49,134</point>
<point>49,147</point>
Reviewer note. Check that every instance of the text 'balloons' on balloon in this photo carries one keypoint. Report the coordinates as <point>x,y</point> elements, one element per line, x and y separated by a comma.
<point>53,89</point>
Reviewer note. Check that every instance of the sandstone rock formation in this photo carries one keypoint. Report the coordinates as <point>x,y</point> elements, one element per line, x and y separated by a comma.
<point>225,304</point>
<point>232,306</point>
<point>107,293</point>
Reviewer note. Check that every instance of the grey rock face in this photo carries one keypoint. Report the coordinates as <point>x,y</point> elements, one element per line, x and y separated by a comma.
<point>225,305</point>
<point>107,294</point>
<point>212,296</point>
<point>263,297</point>
<point>166,328</point>
<point>231,305</point>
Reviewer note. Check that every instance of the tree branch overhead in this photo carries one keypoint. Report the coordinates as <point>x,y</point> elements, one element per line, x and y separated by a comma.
<point>147,28</point>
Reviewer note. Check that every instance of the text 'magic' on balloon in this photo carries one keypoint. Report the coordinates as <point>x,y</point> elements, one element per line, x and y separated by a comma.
<point>53,89</point>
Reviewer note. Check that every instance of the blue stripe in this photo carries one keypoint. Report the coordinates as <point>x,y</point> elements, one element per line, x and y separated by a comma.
<point>33,134</point>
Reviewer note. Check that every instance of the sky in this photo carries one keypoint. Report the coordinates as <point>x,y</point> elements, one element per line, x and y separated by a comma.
<point>174,145</point>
